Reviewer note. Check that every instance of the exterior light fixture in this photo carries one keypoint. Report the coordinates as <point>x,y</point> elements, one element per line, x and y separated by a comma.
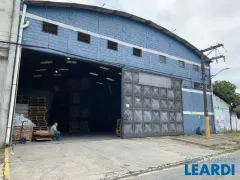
<point>71,62</point>
<point>68,58</point>
<point>56,71</point>
<point>36,76</point>
<point>226,68</point>
<point>94,74</point>
<point>62,69</point>
<point>110,79</point>
<point>40,70</point>
<point>57,74</point>
<point>46,62</point>
<point>104,68</point>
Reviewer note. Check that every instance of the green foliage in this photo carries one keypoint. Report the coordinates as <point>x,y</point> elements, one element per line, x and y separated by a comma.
<point>227,91</point>
<point>236,109</point>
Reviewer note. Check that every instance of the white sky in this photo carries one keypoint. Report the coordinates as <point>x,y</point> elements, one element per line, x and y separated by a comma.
<point>204,23</point>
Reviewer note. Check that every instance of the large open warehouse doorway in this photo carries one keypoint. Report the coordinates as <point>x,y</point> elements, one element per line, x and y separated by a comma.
<point>83,97</point>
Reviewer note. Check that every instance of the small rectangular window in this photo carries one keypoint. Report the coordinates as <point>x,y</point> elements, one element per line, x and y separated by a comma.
<point>200,86</point>
<point>181,64</point>
<point>50,28</point>
<point>162,59</point>
<point>137,52</point>
<point>208,87</point>
<point>196,68</point>
<point>112,45</point>
<point>84,37</point>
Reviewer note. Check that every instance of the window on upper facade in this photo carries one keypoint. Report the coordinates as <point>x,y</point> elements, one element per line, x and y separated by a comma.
<point>162,59</point>
<point>196,68</point>
<point>181,64</point>
<point>137,52</point>
<point>50,28</point>
<point>200,86</point>
<point>112,45</point>
<point>84,37</point>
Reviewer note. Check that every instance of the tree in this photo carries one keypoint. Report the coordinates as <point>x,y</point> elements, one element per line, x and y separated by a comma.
<point>227,91</point>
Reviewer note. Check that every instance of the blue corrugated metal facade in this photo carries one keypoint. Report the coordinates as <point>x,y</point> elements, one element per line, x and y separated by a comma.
<point>128,34</point>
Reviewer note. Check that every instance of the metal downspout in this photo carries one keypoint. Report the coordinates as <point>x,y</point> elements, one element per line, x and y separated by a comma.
<point>15,79</point>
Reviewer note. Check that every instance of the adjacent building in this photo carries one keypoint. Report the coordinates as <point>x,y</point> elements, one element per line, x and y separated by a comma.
<point>9,13</point>
<point>221,114</point>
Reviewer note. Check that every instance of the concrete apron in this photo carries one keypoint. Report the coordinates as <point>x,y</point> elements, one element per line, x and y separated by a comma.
<point>100,158</point>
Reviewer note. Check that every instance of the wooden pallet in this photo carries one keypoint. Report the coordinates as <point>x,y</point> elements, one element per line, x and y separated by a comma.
<point>37,119</point>
<point>34,98</point>
<point>34,108</point>
<point>43,139</point>
<point>40,128</point>
<point>37,101</point>
<point>37,110</point>
<point>40,123</point>
<point>118,126</point>
<point>42,136</point>
<point>22,99</point>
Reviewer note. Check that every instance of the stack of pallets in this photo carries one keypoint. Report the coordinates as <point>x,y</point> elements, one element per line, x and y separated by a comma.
<point>37,113</point>
<point>118,125</point>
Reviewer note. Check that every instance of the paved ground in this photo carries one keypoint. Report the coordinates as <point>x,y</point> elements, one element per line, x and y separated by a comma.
<point>104,157</point>
<point>178,172</point>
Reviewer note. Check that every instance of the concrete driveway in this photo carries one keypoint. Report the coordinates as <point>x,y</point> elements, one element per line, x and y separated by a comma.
<point>99,157</point>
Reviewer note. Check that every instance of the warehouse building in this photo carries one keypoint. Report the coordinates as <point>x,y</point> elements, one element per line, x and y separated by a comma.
<point>95,65</point>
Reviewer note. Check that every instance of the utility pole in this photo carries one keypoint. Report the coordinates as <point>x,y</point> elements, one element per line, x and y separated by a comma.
<point>207,129</point>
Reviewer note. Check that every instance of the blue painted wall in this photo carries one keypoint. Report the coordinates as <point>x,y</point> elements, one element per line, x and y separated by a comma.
<point>191,122</point>
<point>194,102</point>
<point>120,29</point>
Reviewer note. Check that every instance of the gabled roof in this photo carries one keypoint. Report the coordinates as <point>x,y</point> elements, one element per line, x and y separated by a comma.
<point>122,14</point>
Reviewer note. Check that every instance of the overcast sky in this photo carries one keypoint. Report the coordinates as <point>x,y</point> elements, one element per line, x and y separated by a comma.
<point>204,23</point>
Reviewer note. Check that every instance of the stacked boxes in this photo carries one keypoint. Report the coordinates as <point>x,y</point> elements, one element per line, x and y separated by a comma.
<point>25,131</point>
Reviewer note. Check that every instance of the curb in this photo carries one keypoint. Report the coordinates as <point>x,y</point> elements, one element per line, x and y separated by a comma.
<point>2,159</point>
<point>6,170</point>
